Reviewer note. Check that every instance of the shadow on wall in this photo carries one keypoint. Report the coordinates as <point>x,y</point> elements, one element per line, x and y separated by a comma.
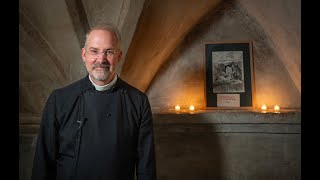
<point>26,153</point>
<point>188,152</point>
<point>181,153</point>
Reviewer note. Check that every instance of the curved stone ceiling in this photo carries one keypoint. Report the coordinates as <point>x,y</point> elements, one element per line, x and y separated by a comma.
<point>158,34</point>
<point>51,34</point>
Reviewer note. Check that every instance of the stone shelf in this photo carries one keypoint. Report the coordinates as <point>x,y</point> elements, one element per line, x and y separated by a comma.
<point>229,121</point>
<point>284,121</point>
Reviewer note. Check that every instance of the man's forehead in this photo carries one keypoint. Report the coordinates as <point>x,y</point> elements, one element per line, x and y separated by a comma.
<point>97,34</point>
<point>102,31</point>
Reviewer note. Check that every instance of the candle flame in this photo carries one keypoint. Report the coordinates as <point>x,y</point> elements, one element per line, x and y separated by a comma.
<point>276,107</point>
<point>191,108</point>
<point>177,107</point>
<point>264,107</point>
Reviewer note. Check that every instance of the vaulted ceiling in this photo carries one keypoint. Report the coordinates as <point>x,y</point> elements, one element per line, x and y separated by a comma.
<point>51,34</point>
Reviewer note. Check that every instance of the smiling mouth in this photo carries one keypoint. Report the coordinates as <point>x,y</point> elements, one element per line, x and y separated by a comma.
<point>107,67</point>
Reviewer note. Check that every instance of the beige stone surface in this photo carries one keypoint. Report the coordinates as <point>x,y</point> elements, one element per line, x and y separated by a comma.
<point>163,45</point>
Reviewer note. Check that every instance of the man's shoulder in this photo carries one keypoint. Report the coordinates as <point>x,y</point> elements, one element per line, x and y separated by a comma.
<point>135,96</point>
<point>130,88</point>
<point>72,89</point>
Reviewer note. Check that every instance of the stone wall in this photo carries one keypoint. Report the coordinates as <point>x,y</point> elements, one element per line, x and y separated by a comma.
<point>216,145</point>
<point>228,145</point>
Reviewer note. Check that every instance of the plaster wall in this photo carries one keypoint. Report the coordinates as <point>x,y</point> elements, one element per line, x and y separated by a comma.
<point>49,50</point>
<point>181,79</point>
<point>44,63</point>
<point>281,21</point>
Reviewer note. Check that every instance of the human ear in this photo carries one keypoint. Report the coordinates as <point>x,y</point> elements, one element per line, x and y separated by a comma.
<point>83,54</point>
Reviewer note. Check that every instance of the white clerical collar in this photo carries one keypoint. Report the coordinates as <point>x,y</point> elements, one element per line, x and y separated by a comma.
<point>104,87</point>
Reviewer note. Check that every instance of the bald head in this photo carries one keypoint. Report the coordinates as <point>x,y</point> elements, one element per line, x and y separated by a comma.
<point>105,27</point>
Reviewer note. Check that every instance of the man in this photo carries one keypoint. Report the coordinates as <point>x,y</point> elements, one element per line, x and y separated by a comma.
<point>98,128</point>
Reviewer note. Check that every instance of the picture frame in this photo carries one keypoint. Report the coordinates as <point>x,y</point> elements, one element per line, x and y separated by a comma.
<point>229,76</point>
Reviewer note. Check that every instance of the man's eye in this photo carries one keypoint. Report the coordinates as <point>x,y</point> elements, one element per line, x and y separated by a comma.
<point>111,52</point>
<point>94,51</point>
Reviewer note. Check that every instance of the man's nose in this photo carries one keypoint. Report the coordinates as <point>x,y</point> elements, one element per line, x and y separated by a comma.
<point>102,57</point>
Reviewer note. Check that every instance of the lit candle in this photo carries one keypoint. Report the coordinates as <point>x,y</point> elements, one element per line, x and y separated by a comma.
<point>177,108</point>
<point>191,108</point>
<point>264,107</point>
<point>276,108</point>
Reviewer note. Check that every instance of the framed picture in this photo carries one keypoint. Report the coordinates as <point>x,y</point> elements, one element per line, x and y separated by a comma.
<point>229,81</point>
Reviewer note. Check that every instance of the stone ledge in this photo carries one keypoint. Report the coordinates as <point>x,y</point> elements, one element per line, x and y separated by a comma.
<point>228,121</point>
<point>229,116</point>
<point>217,121</point>
<point>228,128</point>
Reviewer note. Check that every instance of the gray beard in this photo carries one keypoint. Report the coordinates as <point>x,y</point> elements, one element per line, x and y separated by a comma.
<point>101,76</point>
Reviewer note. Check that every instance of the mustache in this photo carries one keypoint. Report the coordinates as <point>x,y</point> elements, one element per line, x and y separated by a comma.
<point>99,65</point>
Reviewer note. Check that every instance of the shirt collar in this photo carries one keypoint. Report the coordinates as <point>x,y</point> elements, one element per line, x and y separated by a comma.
<point>104,87</point>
